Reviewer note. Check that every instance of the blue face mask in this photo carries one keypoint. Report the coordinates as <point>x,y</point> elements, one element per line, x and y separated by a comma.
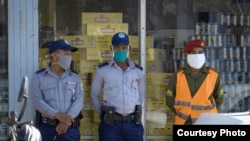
<point>120,56</point>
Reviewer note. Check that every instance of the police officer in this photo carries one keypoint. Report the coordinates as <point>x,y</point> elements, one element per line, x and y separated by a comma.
<point>57,94</point>
<point>195,88</point>
<point>122,84</point>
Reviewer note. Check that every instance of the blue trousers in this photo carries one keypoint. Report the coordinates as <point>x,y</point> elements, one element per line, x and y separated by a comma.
<point>121,131</point>
<point>48,133</point>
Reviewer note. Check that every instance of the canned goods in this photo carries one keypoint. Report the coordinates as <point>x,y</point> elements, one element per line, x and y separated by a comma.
<point>214,63</point>
<point>224,52</point>
<point>209,41</point>
<point>228,20</point>
<point>214,29</point>
<point>237,65</point>
<point>203,28</point>
<point>231,65</point>
<point>241,20</point>
<point>230,52</point>
<point>236,52</point>
<point>214,41</point>
<point>198,28</point>
<point>243,52</point>
<point>234,19</point>
<point>244,64</point>
<point>174,53</point>
<point>226,66</point>
<point>228,78</point>
<point>235,77</point>
<point>222,18</point>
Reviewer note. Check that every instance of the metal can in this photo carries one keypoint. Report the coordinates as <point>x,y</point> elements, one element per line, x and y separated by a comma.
<point>230,52</point>
<point>243,52</point>
<point>174,53</point>
<point>241,20</point>
<point>236,52</point>
<point>224,53</point>
<point>214,29</point>
<point>237,65</point>
<point>203,28</point>
<point>226,65</point>
<point>209,41</point>
<point>231,65</point>
<point>222,18</point>
<point>214,41</point>
<point>234,19</point>
<point>228,78</point>
<point>198,28</point>
<point>242,40</point>
<point>223,77</point>
<point>244,65</point>
<point>235,77</point>
<point>228,20</point>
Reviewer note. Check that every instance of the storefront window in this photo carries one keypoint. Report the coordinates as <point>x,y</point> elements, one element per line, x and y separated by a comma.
<point>3,68</point>
<point>170,24</point>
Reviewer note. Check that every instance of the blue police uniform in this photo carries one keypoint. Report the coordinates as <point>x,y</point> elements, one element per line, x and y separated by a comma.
<point>51,94</point>
<point>122,90</point>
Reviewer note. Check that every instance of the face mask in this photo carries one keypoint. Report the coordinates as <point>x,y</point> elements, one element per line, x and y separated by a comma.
<point>120,56</point>
<point>196,60</point>
<point>65,61</point>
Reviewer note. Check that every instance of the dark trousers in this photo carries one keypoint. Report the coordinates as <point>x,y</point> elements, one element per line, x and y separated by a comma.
<point>48,133</point>
<point>120,131</point>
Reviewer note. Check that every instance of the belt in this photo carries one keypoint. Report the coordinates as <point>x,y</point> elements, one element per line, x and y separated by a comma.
<point>54,122</point>
<point>129,117</point>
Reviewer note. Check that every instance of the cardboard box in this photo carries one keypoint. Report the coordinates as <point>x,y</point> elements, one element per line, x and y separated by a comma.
<point>101,17</point>
<point>80,41</point>
<point>106,28</point>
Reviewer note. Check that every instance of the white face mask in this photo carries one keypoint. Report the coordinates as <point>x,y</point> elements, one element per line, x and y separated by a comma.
<point>196,60</point>
<point>65,61</point>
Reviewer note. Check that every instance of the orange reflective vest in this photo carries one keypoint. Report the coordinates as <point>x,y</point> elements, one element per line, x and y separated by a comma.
<point>186,106</point>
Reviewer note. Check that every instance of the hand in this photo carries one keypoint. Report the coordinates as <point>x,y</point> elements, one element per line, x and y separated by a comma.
<point>64,118</point>
<point>61,128</point>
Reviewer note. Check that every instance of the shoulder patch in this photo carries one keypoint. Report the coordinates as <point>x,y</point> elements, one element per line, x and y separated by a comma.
<point>103,64</point>
<point>138,66</point>
<point>41,70</point>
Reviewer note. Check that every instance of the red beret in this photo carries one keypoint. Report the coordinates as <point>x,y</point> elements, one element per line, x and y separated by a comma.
<point>194,43</point>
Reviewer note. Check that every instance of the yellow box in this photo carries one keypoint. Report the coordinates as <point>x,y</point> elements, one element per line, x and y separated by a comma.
<point>93,54</point>
<point>95,128</point>
<point>106,28</point>
<point>88,66</point>
<point>106,54</point>
<point>168,130</point>
<point>154,103</point>
<point>96,17</point>
<point>96,117</point>
<point>157,78</point>
<point>156,91</point>
<point>80,41</point>
<point>87,105</point>
<point>155,66</point>
<point>86,128</point>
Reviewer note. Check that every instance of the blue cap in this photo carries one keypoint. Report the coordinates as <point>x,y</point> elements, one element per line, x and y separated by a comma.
<point>61,44</point>
<point>120,38</point>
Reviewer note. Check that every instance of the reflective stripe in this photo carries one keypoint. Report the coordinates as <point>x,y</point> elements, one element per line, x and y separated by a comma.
<point>181,115</point>
<point>182,103</point>
<point>200,107</point>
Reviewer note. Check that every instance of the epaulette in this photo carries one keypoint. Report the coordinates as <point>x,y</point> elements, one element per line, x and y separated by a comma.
<point>103,64</point>
<point>41,70</point>
<point>74,71</point>
<point>138,66</point>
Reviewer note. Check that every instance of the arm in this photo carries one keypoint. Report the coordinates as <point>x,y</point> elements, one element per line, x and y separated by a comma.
<point>170,96</point>
<point>218,93</point>
<point>95,91</point>
<point>77,104</point>
<point>142,88</point>
<point>37,98</point>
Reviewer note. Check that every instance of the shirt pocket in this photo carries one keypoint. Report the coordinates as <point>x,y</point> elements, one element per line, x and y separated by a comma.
<point>49,92</point>
<point>70,89</point>
<point>110,89</point>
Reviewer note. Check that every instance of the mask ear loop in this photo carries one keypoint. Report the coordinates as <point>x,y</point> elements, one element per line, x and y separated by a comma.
<point>128,55</point>
<point>113,53</point>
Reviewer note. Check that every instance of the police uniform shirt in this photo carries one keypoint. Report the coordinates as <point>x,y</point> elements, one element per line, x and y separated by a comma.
<point>121,89</point>
<point>51,93</point>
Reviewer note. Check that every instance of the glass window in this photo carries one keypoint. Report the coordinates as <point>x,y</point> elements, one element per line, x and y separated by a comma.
<point>170,24</point>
